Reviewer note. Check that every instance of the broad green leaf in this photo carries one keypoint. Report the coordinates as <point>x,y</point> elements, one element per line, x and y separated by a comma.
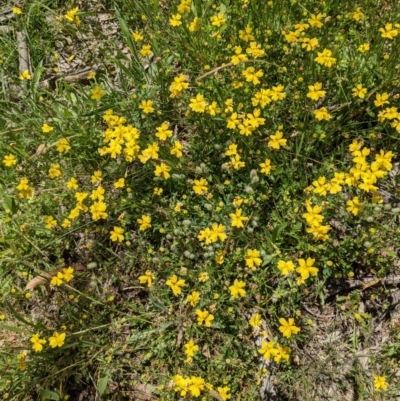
<point>46,394</point>
<point>102,384</point>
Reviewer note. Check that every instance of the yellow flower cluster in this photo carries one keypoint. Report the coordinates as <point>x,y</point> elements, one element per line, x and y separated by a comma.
<point>213,234</point>
<point>305,268</point>
<point>56,340</point>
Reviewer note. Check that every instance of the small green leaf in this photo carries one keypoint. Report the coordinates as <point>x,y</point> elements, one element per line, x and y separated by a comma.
<point>18,316</point>
<point>49,395</point>
<point>102,384</point>
<point>14,329</point>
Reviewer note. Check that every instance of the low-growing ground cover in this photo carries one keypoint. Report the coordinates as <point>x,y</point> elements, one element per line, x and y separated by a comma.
<point>199,200</point>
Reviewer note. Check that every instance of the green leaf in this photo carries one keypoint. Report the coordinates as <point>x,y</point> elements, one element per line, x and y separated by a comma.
<point>36,76</point>
<point>126,34</point>
<point>9,204</point>
<point>102,384</point>
<point>49,395</point>
<point>14,329</point>
<point>276,231</point>
<point>18,316</point>
<point>158,304</point>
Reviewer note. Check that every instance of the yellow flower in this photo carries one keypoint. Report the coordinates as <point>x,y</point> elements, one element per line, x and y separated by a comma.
<point>81,196</point>
<point>117,234</point>
<point>9,160</point>
<point>177,149</point>
<point>175,284</point>
<point>25,191</point>
<point>213,109</point>
<point>322,114</point>
<point>309,43</point>
<point>71,15</point>
<point>147,278</point>
<point>91,74</point>
<point>96,177</point>
<point>46,128</point>
<point>288,327</point>
<point>37,342</point>
<point>66,223</point>
<point>238,57</point>
<point>219,256</point>
<point>200,186</point>
<point>252,258</point>
<point>146,106</point>
<point>277,92</point>
<point>98,210</point>
<point>218,20</point>
<point>238,219</point>
<point>357,15</point>
<point>57,280</point>
<point>57,340</point>
<point>388,31</point>
<point>193,298</point>
<point>63,145</point>
<point>255,320</point>
<point>246,34</point>
<point>25,75</point>
<point>50,222</point>
<point>268,349</point>
<point>223,393</point>
<point>276,140</point>
<point>68,274</point>
<point>178,85</point>
<point>120,183</point>
<point>306,268</point>
<point>325,58</point>
<point>359,91</point>
<point>217,232</point>
<point>354,205</point>
<point>315,91</point>
<point>54,171</point>
<point>363,48</point>
<point>237,289</point>
<point>281,353</point>
<point>381,99</point>
<point>203,277</point>
<point>145,222</point>
<point>162,170</point>
<point>194,25</point>
<point>146,50</point>
<point>380,383</point>
<point>163,132</point>
<point>184,6</point>
<point>16,11</point>
<point>285,267</point>
<point>137,36</point>
<point>97,93</point>
<point>252,75</point>
<point>255,50</point>
<point>175,20</point>
<point>198,104</point>
<point>157,191</point>
<point>266,167</point>
<point>315,20</point>
<point>191,348</point>
<point>204,317</point>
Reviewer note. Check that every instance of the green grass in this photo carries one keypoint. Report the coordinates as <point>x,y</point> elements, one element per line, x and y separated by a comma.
<point>124,339</point>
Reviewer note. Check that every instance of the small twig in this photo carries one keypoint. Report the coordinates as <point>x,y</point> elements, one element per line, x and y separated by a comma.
<point>213,71</point>
<point>323,317</point>
<point>366,283</point>
<point>230,64</point>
